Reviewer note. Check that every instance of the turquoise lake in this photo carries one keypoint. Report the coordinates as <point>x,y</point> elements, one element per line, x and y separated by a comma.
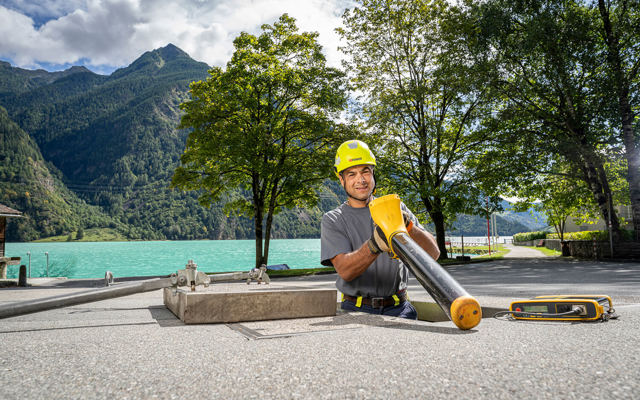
<point>93,259</point>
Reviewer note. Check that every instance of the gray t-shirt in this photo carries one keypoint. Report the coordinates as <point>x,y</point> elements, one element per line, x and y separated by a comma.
<point>343,230</point>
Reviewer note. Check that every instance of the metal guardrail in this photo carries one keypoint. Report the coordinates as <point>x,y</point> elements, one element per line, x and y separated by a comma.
<point>189,276</point>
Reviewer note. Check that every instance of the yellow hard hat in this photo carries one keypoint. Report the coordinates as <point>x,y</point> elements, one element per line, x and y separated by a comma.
<point>350,153</point>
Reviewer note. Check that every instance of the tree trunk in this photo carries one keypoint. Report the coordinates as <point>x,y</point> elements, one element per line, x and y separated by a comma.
<point>633,172</point>
<point>257,215</point>
<point>597,182</point>
<point>626,115</point>
<point>267,235</point>
<point>435,212</point>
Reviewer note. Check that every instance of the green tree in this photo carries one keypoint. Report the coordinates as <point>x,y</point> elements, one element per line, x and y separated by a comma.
<point>264,125</point>
<point>620,30</point>
<point>420,96</point>
<point>80,234</point>
<point>544,63</point>
<point>560,194</point>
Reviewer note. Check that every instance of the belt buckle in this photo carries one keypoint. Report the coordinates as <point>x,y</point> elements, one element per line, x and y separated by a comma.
<point>377,302</point>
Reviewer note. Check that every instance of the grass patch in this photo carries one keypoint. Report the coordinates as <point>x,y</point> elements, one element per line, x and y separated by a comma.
<point>90,235</point>
<point>483,251</point>
<point>495,254</point>
<point>301,272</point>
<point>289,272</point>
<point>453,261</point>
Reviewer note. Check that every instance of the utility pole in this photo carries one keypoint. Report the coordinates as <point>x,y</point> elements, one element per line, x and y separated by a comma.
<point>609,225</point>
<point>495,230</point>
<point>488,226</point>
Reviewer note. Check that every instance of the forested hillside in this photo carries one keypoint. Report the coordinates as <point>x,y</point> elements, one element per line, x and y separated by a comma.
<point>112,141</point>
<point>34,186</point>
<point>82,150</point>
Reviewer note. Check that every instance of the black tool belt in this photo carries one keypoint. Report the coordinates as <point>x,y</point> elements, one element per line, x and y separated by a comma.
<point>378,302</point>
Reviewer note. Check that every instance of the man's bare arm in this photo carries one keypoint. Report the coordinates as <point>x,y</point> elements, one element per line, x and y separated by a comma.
<point>351,265</point>
<point>426,241</point>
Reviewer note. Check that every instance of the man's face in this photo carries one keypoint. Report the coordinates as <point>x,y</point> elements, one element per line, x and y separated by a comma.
<point>358,181</point>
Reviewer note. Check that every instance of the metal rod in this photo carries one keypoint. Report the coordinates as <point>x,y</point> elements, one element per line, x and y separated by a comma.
<point>29,254</point>
<point>459,306</point>
<point>488,226</point>
<point>89,296</point>
<point>47,254</point>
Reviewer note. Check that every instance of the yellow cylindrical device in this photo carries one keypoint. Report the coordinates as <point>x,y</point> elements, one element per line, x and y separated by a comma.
<point>462,309</point>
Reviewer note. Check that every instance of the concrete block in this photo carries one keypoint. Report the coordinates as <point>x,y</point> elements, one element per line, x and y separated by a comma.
<point>241,302</point>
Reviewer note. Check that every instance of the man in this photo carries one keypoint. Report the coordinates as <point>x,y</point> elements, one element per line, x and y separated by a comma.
<point>369,279</point>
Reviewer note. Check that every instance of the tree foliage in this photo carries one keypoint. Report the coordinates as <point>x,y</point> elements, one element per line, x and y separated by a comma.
<point>559,195</point>
<point>620,32</point>
<point>420,96</point>
<point>544,61</point>
<point>264,125</point>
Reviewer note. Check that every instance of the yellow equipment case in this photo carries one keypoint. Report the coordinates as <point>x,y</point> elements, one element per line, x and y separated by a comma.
<point>571,307</point>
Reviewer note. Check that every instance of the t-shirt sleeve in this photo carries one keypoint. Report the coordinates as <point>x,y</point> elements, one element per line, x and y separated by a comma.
<point>333,239</point>
<point>413,218</point>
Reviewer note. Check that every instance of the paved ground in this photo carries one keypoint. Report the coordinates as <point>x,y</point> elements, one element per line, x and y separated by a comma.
<point>132,347</point>
<point>522,252</point>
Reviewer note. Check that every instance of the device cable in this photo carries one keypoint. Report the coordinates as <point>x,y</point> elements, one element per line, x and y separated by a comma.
<point>500,314</point>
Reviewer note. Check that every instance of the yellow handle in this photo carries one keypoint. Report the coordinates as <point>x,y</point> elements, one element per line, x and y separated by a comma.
<point>387,214</point>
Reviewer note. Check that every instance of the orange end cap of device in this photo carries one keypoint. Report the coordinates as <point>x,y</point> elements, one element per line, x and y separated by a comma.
<point>466,312</point>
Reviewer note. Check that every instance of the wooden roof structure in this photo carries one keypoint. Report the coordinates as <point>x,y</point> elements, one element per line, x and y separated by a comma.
<point>9,212</point>
<point>5,212</point>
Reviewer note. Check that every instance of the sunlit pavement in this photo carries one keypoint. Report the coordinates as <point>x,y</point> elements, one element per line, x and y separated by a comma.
<point>132,347</point>
<point>522,252</point>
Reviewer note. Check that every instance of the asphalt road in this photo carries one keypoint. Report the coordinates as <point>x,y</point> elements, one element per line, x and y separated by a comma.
<point>132,347</point>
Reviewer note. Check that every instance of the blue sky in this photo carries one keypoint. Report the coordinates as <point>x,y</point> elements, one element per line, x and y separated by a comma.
<point>104,35</point>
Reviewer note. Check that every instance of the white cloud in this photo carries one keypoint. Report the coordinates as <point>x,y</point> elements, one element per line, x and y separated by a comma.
<point>43,10</point>
<point>115,32</point>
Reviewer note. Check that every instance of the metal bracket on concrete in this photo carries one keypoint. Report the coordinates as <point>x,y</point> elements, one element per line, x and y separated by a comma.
<point>190,276</point>
<point>259,275</point>
<point>108,278</point>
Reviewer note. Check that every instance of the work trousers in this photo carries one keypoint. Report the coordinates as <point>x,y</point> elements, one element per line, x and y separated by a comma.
<point>402,310</point>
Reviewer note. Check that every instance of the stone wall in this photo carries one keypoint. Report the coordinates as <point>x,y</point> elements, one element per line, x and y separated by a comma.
<point>553,244</point>
<point>585,248</point>
<point>527,242</point>
<point>589,249</point>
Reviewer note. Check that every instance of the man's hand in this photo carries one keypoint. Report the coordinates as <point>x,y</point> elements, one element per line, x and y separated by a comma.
<point>378,242</point>
<point>408,223</point>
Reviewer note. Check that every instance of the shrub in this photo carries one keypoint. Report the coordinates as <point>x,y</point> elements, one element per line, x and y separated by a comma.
<point>601,236</point>
<point>526,236</point>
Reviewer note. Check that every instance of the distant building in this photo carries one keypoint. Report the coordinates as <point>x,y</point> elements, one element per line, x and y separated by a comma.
<point>5,212</point>
<point>624,216</point>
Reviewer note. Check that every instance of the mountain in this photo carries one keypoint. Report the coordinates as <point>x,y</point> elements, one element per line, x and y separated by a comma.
<point>34,186</point>
<point>113,143</point>
<point>18,80</point>
<point>508,222</point>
